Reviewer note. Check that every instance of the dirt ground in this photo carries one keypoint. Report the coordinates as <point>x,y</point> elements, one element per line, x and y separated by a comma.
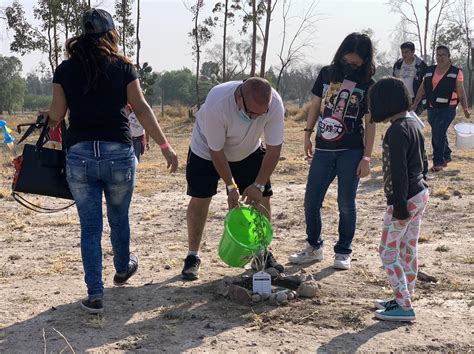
<point>41,278</point>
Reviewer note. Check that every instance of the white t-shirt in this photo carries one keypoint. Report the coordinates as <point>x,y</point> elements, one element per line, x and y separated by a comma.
<point>218,125</point>
<point>408,74</point>
<point>136,128</point>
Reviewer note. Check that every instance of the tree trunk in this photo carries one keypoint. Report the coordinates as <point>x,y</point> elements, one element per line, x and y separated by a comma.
<point>425,35</point>
<point>124,24</point>
<point>138,34</point>
<point>50,46</point>
<point>265,39</point>
<point>162,102</point>
<point>254,38</point>
<point>55,38</point>
<point>198,57</point>
<point>224,44</point>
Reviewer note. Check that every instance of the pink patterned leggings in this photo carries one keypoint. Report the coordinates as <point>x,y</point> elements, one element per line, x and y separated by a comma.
<point>398,248</point>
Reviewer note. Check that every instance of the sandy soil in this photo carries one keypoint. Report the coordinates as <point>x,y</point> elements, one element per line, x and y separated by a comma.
<point>41,279</point>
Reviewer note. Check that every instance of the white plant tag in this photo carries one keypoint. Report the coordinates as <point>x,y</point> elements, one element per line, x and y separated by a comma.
<point>262,283</point>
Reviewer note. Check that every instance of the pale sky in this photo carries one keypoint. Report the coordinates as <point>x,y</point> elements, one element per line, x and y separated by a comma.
<point>165,25</point>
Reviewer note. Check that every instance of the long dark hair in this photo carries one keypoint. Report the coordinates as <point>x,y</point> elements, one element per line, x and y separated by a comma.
<point>359,44</point>
<point>90,50</point>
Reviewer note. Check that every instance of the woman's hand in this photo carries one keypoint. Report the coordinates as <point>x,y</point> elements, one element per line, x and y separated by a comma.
<point>308,146</point>
<point>467,114</point>
<point>171,159</point>
<point>363,169</point>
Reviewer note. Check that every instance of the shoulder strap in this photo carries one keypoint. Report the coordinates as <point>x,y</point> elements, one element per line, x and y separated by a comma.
<point>29,205</point>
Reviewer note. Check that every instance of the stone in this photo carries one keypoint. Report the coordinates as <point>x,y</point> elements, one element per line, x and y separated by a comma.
<point>222,289</point>
<point>308,289</point>
<point>291,295</point>
<point>256,298</point>
<point>281,296</point>
<point>265,296</point>
<point>273,272</point>
<point>240,295</point>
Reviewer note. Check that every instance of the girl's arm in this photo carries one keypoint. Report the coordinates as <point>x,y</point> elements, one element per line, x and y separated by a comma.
<point>147,119</point>
<point>58,107</point>
<point>313,114</point>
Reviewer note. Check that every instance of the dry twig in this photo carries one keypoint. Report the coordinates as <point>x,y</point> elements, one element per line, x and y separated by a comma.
<point>67,342</point>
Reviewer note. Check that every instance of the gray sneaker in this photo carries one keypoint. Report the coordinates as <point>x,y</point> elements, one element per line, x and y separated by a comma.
<point>308,255</point>
<point>342,261</point>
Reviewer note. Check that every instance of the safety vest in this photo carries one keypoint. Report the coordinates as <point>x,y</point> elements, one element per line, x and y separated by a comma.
<point>441,96</point>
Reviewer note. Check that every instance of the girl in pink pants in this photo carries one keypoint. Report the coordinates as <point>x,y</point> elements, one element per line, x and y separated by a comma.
<point>404,167</point>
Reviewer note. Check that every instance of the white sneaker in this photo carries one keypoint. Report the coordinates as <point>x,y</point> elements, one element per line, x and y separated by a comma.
<point>309,254</point>
<point>342,261</point>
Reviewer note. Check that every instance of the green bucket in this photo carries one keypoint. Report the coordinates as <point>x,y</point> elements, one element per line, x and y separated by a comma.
<point>239,241</point>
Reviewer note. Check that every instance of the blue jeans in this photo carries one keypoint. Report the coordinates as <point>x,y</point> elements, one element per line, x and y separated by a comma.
<point>94,167</point>
<point>440,119</point>
<point>326,165</point>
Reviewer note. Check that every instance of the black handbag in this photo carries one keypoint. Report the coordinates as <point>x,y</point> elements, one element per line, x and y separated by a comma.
<point>42,171</point>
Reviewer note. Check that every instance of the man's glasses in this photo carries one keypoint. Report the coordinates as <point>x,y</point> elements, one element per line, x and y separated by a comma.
<point>250,113</point>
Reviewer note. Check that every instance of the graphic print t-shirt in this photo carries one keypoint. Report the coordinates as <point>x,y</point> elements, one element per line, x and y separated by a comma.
<point>408,74</point>
<point>343,106</point>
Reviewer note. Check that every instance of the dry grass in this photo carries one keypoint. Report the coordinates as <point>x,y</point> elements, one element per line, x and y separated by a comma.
<point>60,263</point>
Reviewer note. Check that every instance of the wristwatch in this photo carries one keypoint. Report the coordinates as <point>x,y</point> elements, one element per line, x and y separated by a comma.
<point>260,187</point>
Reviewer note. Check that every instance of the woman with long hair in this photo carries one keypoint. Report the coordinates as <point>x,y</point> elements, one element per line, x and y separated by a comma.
<point>343,146</point>
<point>443,88</point>
<point>95,83</point>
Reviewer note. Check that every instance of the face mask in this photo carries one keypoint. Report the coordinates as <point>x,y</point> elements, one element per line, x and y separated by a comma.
<point>351,72</point>
<point>244,116</point>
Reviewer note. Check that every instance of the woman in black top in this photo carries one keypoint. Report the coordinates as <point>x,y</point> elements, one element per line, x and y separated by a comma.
<point>344,141</point>
<point>444,89</point>
<point>95,84</point>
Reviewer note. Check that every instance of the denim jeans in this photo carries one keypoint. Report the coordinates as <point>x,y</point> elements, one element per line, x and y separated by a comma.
<point>440,119</point>
<point>94,167</point>
<point>326,165</point>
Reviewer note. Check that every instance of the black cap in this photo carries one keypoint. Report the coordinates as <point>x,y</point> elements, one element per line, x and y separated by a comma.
<point>96,21</point>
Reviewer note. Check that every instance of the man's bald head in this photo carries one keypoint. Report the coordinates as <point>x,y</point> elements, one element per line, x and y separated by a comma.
<point>258,90</point>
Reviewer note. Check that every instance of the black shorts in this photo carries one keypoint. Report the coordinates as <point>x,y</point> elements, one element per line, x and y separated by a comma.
<point>202,176</point>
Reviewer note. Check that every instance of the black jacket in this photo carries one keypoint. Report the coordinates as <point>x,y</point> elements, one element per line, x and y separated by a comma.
<point>421,68</point>
<point>404,164</point>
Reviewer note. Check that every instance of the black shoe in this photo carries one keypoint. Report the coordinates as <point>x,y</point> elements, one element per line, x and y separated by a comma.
<point>191,268</point>
<point>270,262</point>
<point>95,306</point>
<point>121,278</point>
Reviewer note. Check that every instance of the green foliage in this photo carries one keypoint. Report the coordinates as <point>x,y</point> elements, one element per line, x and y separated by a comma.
<point>58,19</point>
<point>176,86</point>
<point>37,102</point>
<point>12,85</point>
<point>126,28</point>
<point>147,79</point>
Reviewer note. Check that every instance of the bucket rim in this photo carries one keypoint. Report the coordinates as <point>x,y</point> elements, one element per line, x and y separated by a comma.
<point>232,236</point>
<point>457,128</point>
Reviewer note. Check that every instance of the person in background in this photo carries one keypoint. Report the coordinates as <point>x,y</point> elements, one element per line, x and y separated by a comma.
<point>95,83</point>
<point>410,69</point>
<point>343,146</point>
<point>443,88</point>
<point>139,137</point>
<point>404,171</point>
<point>226,144</point>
